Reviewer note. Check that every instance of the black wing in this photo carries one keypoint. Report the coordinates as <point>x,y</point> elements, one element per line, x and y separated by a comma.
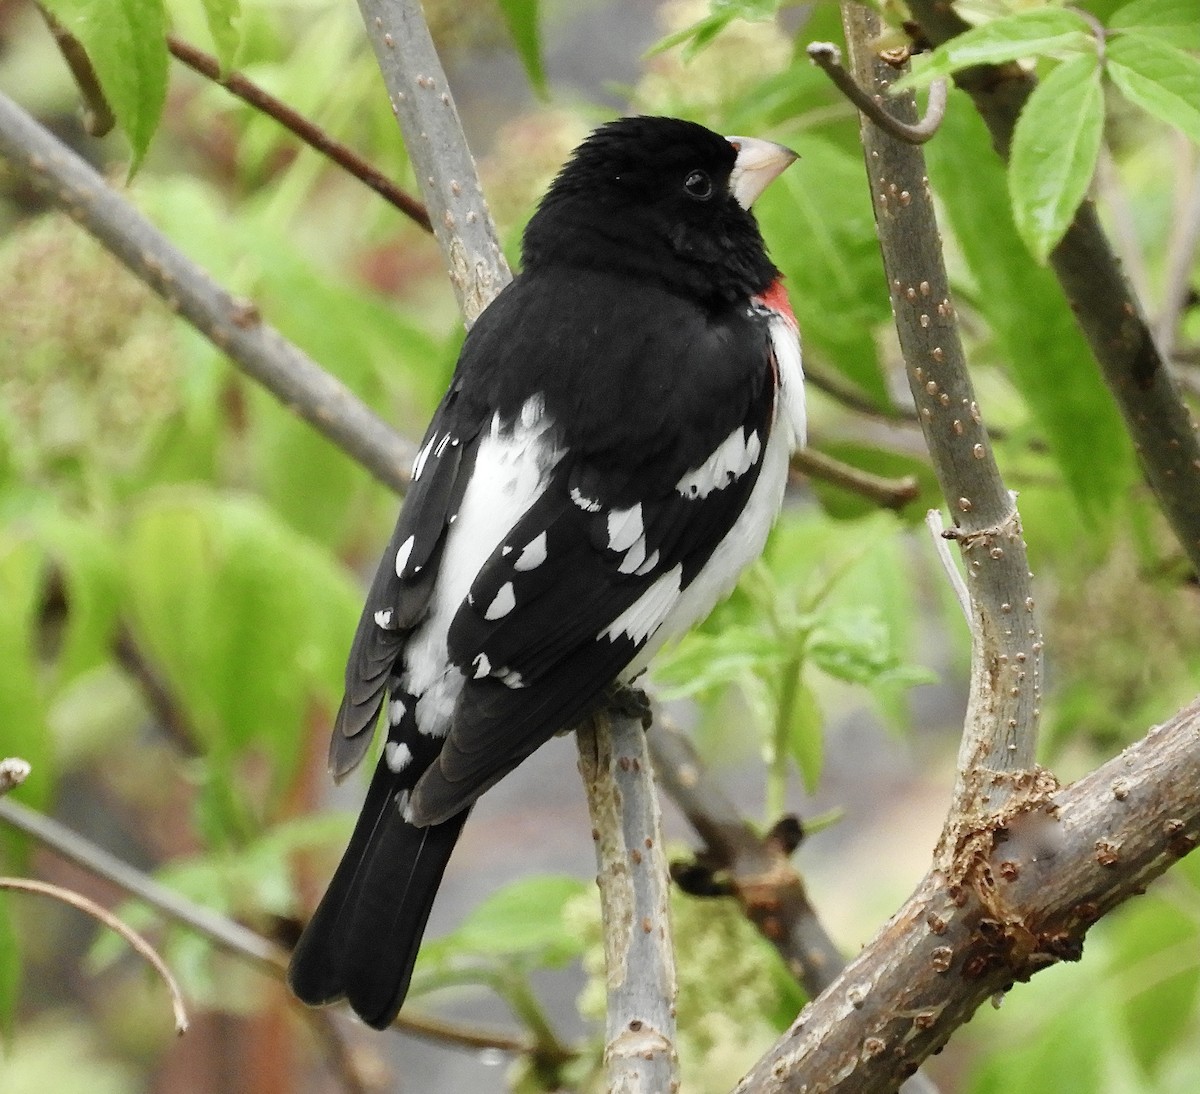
<point>395,605</point>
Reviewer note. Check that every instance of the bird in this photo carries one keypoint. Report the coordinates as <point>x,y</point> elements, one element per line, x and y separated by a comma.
<point>611,452</point>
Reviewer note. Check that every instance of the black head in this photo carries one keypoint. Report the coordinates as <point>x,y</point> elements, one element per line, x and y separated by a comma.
<point>658,199</point>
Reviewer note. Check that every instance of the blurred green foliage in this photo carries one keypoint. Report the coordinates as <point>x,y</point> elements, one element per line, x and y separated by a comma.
<point>152,500</point>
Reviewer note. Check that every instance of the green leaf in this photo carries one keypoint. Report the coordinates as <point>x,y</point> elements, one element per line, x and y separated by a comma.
<point>1039,340</point>
<point>1162,80</point>
<point>1174,21</point>
<point>522,923</point>
<point>249,621</point>
<point>1054,150</point>
<point>521,16</point>
<point>1154,959</point>
<point>1037,32</point>
<point>126,42</point>
<point>220,15</point>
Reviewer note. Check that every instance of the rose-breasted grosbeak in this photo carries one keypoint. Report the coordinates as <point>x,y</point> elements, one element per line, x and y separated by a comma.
<point>611,453</point>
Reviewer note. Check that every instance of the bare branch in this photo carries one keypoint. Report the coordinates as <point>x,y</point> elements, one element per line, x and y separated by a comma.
<point>827,57</point>
<point>1104,305</point>
<point>222,932</point>
<point>1000,732</point>
<point>98,117</point>
<point>1056,863</point>
<point>881,491</point>
<point>304,128</point>
<point>103,915</point>
<point>421,101</point>
<point>761,875</point>
<point>639,1051</point>
<point>234,326</point>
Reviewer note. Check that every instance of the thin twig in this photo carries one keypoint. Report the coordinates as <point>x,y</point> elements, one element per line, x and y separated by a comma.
<point>233,325</point>
<point>98,117</point>
<point>827,57</point>
<point>166,710</point>
<point>103,915</point>
<point>13,772</point>
<point>304,128</point>
<point>227,935</point>
<point>882,491</point>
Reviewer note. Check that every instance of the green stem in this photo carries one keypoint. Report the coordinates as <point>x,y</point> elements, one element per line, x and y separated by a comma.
<point>777,769</point>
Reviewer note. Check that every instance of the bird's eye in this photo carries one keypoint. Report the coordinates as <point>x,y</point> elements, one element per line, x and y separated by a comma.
<point>698,185</point>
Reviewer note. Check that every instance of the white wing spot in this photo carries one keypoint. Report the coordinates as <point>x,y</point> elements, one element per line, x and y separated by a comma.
<point>588,505</point>
<point>383,618</point>
<point>644,616</point>
<point>482,666</point>
<point>511,678</point>
<point>441,445</point>
<point>634,557</point>
<point>419,462</point>
<point>533,555</point>
<point>624,527</point>
<point>396,711</point>
<point>504,603</point>
<point>647,566</point>
<point>403,554</point>
<point>397,755</point>
<point>533,410</point>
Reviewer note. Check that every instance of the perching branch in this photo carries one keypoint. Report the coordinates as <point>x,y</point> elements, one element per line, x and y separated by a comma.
<point>304,128</point>
<point>233,325</point>
<point>1108,312</point>
<point>103,915</point>
<point>639,1051</point>
<point>445,169</point>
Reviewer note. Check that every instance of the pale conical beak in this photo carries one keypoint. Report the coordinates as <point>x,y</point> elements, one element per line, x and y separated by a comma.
<point>758,163</point>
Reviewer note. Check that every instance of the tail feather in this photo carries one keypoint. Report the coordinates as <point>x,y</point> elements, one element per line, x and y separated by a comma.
<point>362,941</point>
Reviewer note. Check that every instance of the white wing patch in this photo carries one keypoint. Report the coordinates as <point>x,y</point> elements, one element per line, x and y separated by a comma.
<point>511,468</point>
<point>396,711</point>
<point>730,460</point>
<point>644,616</point>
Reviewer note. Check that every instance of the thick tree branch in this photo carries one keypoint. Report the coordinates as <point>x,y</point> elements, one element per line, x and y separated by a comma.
<point>1108,312</point>
<point>1058,861</point>
<point>233,325</point>
<point>639,1051</point>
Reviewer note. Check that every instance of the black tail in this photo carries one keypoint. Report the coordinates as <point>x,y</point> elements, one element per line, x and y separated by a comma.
<point>362,941</point>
